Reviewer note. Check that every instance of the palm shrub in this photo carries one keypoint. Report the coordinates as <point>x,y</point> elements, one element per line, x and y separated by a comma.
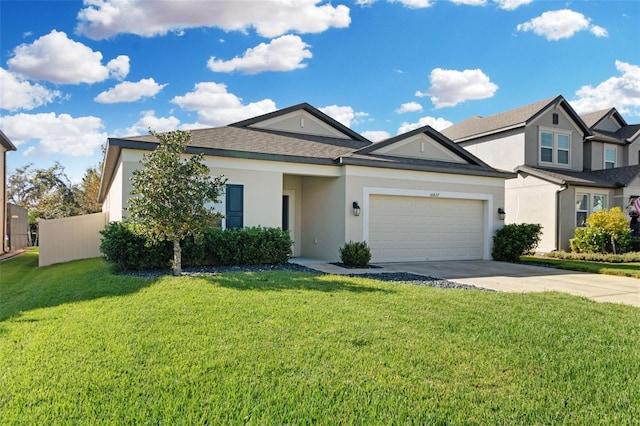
<point>355,253</point>
<point>607,231</point>
<point>515,240</point>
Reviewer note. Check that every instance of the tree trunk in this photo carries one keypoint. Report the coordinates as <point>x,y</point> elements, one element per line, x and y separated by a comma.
<point>177,258</point>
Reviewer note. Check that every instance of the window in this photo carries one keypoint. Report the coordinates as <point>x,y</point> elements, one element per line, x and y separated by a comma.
<point>555,148</point>
<point>555,118</point>
<point>582,209</point>
<point>587,204</point>
<point>609,157</point>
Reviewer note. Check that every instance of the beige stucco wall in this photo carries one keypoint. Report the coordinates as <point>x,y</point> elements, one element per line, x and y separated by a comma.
<point>566,125</point>
<point>70,238</point>
<point>300,122</point>
<point>421,146</point>
<point>532,200</point>
<point>504,151</point>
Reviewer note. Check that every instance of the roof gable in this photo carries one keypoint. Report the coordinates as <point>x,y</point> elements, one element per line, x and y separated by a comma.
<point>423,143</point>
<point>301,119</point>
<point>476,127</point>
<point>606,119</point>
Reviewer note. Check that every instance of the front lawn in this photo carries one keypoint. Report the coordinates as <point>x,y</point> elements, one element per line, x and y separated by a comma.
<point>79,345</point>
<point>620,269</point>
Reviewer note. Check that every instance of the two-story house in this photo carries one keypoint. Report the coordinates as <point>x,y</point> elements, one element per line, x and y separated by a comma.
<point>567,166</point>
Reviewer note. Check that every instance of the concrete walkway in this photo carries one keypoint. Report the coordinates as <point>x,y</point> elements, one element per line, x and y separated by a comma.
<point>510,277</point>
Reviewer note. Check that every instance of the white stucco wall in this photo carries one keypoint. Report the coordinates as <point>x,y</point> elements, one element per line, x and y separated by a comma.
<point>504,151</point>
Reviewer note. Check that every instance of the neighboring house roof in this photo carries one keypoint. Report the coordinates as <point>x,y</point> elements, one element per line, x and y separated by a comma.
<point>608,178</point>
<point>4,140</point>
<point>475,127</point>
<point>627,133</point>
<point>592,119</point>
<point>245,140</point>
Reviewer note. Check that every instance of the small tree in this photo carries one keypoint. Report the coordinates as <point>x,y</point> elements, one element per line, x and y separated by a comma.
<point>607,231</point>
<point>170,194</point>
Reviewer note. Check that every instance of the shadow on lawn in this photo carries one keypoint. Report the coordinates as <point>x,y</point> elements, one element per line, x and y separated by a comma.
<point>25,287</point>
<point>277,281</point>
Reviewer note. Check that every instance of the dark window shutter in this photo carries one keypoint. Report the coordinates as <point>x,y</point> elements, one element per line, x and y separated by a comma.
<point>235,206</point>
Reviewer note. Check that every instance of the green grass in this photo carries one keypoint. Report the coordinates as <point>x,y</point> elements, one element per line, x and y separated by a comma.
<point>81,346</point>
<point>619,269</point>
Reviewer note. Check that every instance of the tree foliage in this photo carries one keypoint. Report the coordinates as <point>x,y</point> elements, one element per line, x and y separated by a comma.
<point>171,193</point>
<point>607,231</point>
<point>50,194</point>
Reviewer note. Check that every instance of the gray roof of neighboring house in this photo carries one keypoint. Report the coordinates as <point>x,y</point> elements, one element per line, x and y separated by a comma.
<point>4,140</point>
<point>592,119</point>
<point>474,127</point>
<point>608,178</point>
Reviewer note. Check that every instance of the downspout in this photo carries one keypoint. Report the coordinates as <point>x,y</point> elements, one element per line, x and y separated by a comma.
<point>558,215</point>
<point>5,247</point>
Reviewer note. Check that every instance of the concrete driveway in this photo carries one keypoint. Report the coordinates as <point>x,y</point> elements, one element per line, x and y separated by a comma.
<point>503,276</point>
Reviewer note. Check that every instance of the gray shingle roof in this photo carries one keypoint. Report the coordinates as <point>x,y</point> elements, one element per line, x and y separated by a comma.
<point>592,118</point>
<point>608,178</point>
<point>475,126</point>
<point>518,117</point>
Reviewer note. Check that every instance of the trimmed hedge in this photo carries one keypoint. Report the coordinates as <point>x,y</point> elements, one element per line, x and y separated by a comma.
<point>514,240</point>
<point>596,257</point>
<point>127,250</point>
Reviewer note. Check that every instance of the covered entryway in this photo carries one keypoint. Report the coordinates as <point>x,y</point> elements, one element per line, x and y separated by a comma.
<point>415,228</point>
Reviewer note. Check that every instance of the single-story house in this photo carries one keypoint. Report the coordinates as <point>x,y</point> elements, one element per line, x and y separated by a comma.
<point>414,197</point>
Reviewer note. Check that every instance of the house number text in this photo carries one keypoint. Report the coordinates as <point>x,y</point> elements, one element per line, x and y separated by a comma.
<point>434,194</point>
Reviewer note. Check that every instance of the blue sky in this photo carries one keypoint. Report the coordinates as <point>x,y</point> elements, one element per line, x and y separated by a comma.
<point>74,73</point>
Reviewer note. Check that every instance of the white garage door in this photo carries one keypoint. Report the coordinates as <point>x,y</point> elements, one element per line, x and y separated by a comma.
<point>416,228</point>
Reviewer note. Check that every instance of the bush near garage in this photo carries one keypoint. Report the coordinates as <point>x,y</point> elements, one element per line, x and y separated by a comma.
<point>515,240</point>
<point>127,250</point>
<point>355,254</point>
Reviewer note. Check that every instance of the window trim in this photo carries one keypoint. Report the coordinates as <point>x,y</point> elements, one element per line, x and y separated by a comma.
<point>604,156</point>
<point>591,197</point>
<point>555,149</point>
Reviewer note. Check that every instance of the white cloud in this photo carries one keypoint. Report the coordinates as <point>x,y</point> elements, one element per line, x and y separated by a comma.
<point>149,121</point>
<point>598,31</point>
<point>343,114</point>
<point>271,18</point>
<point>621,92</point>
<point>436,123</point>
<point>559,24</point>
<point>451,87</point>
<point>409,107</point>
<point>470,2</point>
<point>285,53</point>
<point>511,4</point>
<point>376,135</point>
<point>129,91</point>
<point>414,4</point>
<point>56,58</point>
<point>73,136</point>
<point>217,107</point>
<point>19,94</point>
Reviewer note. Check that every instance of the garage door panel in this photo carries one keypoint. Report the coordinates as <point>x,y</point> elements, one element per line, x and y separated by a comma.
<point>418,228</point>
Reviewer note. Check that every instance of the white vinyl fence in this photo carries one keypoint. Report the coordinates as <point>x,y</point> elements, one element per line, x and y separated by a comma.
<point>70,238</point>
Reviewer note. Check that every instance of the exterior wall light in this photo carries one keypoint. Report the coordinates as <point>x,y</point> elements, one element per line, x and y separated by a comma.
<point>501,213</point>
<point>356,208</point>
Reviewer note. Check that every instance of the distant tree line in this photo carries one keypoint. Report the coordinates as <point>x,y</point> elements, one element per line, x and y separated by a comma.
<point>50,194</point>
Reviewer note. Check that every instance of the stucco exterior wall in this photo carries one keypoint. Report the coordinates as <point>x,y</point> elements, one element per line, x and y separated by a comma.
<point>532,200</point>
<point>3,199</point>
<point>566,125</point>
<point>505,151</point>
<point>323,207</point>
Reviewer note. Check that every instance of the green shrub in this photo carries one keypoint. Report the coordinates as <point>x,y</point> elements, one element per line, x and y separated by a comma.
<point>126,249</point>
<point>515,240</point>
<point>355,254</point>
<point>607,231</point>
